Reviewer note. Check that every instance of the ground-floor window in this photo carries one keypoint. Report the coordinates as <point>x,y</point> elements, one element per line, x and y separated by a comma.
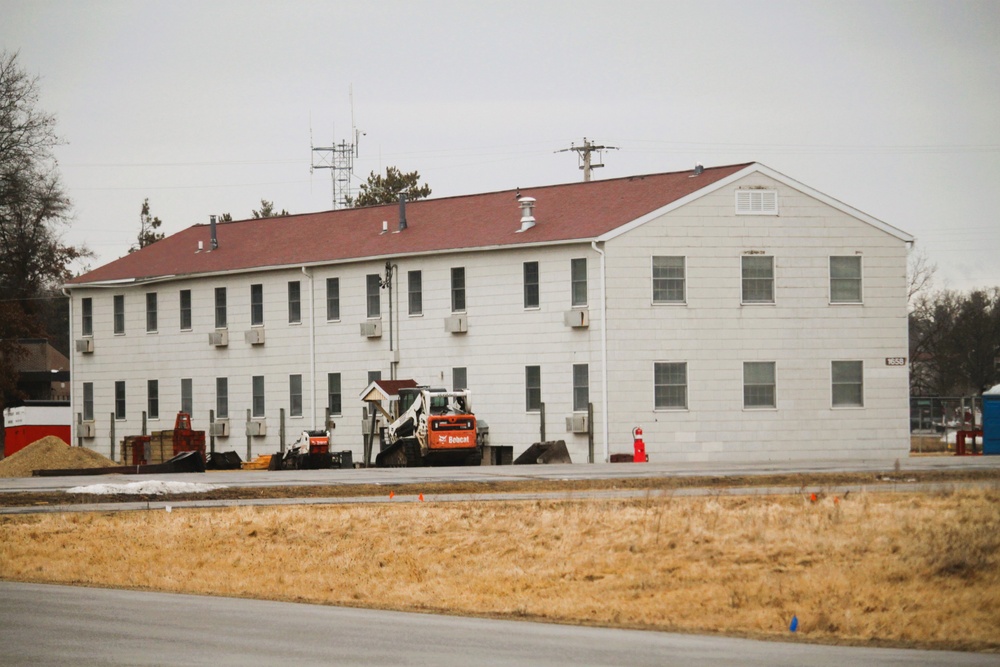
<point>295,395</point>
<point>848,384</point>
<point>334,398</point>
<point>187,396</point>
<point>153,398</point>
<point>581,387</point>
<point>258,396</point>
<point>759,386</point>
<point>533,388</point>
<point>221,398</point>
<point>120,399</point>
<point>670,385</point>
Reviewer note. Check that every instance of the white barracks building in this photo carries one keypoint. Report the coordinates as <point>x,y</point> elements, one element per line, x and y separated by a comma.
<point>731,312</point>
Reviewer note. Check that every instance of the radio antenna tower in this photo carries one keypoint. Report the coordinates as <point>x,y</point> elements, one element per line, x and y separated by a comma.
<point>339,159</point>
<point>583,154</point>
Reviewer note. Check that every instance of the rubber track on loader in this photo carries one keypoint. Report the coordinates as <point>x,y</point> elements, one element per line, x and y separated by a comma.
<point>401,454</point>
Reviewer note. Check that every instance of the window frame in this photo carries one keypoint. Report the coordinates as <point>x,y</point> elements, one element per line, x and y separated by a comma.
<point>744,280</point>
<point>859,383</point>
<point>661,389</point>
<point>331,384</point>
<point>532,287</point>
<point>87,317</point>
<point>373,296</point>
<point>258,405</point>
<point>414,293</point>
<point>773,405</point>
<point>533,389</point>
<point>459,378</point>
<point>221,308</point>
<point>295,394</point>
<point>187,396</point>
<point>333,299</point>
<point>859,280</point>
<point>121,401</point>
<point>153,399</point>
<point>151,315</point>
<point>118,316</point>
<point>458,287</point>
<point>294,302</point>
<point>222,398</point>
<point>257,305</point>
<point>581,390</point>
<point>578,291</point>
<point>668,279</point>
<point>88,401</point>
<point>184,310</point>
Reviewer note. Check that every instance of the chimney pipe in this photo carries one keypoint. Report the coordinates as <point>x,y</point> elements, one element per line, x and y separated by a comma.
<point>402,211</point>
<point>527,213</point>
<point>211,228</point>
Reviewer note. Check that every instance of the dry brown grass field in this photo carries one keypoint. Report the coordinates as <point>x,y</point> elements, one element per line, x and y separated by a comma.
<point>892,569</point>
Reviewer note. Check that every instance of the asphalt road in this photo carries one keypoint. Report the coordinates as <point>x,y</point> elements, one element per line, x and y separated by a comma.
<point>63,625</point>
<point>508,473</point>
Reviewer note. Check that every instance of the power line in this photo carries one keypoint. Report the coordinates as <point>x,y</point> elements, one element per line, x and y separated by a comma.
<point>583,153</point>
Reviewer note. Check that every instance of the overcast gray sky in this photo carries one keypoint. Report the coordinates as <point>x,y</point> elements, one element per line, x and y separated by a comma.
<point>206,107</point>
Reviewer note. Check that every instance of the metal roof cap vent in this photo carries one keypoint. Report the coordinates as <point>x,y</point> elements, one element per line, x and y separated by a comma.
<point>527,213</point>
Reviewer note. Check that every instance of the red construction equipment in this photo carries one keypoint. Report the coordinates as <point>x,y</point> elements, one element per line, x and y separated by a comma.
<point>161,446</point>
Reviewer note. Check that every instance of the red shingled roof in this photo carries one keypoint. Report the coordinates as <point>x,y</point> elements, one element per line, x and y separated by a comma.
<point>564,212</point>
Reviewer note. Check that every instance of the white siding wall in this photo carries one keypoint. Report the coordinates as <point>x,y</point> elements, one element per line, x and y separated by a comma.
<point>801,332</point>
<point>712,332</point>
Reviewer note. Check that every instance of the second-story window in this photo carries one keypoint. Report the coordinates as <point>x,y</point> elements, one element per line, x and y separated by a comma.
<point>531,299</point>
<point>119,313</point>
<point>414,286</point>
<point>458,289</point>
<point>220,307</point>
<point>185,310</point>
<point>256,305</point>
<point>87,316</point>
<point>294,302</point>
<point>151,312</point>
<point>373,287</point>
<point>333,299</point>
<point>578,278</point>
<point>758,279</point>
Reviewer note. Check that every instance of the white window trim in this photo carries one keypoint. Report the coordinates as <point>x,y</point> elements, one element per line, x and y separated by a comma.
<point>774,282</point>
<point>829,283</point>
<point>847,407</point>
<point>652,287</point>
<point>743,384</point>
<point>748,204</point>
<point>687,386</point>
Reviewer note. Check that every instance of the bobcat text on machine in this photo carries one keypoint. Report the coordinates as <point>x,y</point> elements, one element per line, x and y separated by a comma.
<point>427,426</point>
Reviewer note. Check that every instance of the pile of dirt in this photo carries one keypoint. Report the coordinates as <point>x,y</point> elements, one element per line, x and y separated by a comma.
<point>51,453</point>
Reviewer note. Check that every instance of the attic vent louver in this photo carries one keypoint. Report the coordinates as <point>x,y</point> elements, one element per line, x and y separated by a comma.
<point>527,213</point>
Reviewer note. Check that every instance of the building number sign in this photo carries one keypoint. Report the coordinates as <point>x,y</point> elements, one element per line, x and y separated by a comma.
<point>895,361</point>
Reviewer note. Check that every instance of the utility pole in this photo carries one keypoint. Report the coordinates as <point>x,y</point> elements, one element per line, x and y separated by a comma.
<point>339,159</point>
<point>583,154</point>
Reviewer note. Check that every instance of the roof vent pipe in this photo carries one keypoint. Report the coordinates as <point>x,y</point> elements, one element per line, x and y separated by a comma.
<point>698,169</point>
<point>402,211</point>
<point>527,213</point>
<point>211,229</point>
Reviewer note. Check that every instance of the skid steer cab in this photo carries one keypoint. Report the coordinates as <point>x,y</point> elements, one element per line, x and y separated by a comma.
<point>310,452</point>
<point>433,427</point>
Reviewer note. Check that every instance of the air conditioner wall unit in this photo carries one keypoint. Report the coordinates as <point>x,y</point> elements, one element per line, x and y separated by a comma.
<point>220,429</point>
<point>85,345</point>
<point>578,318</point>
<point>257,428</point>
<point>456,324</point>
<point>577,424</point>
<point>219,338</point>
<point>371,329</point>
<point>254,336</point>
<point>86,430</point>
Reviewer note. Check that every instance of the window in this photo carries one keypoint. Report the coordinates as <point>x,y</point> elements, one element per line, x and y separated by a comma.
<point>578,279</point>
<point>294,302</point>
<point>581,387</point>
<point>119,313</point>
<point>332,299</point>
<point>459,379</point>
<point>257,401</point>
<point>295,395</point>
<point>531,285</point>
<point>220,307</point>
<point>670,385</point>
<point>757,202</point>
<point>87,317</point>
<point>373,286</point>
<point>458,289</point>
<point>845,279</point>
<point>120,399</point>
<point>373,376</point>
<point>758,384</point>
<point>153,399</point>
<point>256,305</point>
<point>533,388</point>
<point>88,401</point>
<point>668,280</point>
<point>334,399</point>
<point>187,396</point>
<point>221,398</point>
<point>185,310</point>
<point>848,384</point>
<point>414,286</point>
<point>758,279</point>
<point>151,312</point>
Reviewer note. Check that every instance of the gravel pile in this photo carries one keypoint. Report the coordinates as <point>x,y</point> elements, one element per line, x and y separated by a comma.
<point>51,453</point>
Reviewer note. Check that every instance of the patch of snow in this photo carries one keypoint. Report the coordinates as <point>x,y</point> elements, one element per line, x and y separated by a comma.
<point>151,488</point>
